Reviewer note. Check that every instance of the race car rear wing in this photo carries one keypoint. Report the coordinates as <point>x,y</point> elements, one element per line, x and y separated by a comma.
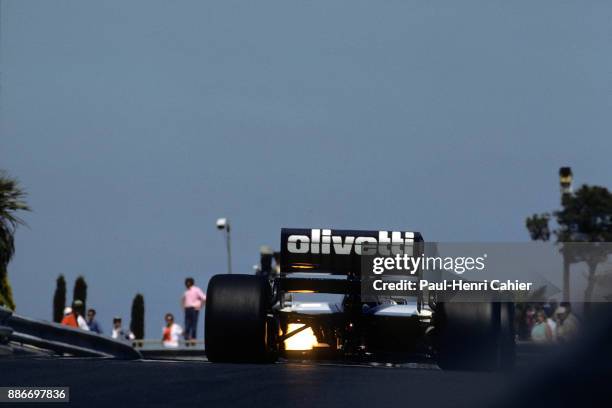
<point>340,252</point>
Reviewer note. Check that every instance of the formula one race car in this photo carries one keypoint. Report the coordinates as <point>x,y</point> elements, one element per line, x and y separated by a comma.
<point>252,318</point>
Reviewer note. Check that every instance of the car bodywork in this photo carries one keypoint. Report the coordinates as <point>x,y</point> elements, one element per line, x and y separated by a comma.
<point>257,318</point>
<point>329,261</point>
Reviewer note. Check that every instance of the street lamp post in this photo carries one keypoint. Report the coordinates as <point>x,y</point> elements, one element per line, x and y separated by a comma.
<point>223,224</point>
<point>565,182</point>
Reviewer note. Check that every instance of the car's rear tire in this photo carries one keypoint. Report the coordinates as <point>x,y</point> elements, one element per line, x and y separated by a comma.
<point>475,335</point>
<point>237,326</point>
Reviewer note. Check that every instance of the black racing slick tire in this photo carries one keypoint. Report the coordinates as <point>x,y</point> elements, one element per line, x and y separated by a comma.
<point>237,326</point>
<point>475,335</point>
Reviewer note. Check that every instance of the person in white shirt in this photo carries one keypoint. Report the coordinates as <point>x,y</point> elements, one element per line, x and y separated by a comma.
<point>78,307</point>
<point>118,333</point>
<point>568,325</point>
<point>171,333</point>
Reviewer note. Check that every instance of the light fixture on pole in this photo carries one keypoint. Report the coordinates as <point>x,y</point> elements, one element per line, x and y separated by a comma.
<point>223,224</point>
<point>565,180</point>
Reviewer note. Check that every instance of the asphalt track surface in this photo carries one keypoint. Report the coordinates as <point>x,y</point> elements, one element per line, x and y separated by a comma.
<point>161,383</point>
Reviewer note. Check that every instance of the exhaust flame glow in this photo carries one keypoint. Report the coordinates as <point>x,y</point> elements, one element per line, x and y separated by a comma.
<point>302,341</point>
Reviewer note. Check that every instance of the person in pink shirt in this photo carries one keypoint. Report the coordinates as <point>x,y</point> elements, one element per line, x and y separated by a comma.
<point>193,300</point>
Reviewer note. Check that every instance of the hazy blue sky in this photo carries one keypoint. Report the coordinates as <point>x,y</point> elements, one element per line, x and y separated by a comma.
<point>133,125</point>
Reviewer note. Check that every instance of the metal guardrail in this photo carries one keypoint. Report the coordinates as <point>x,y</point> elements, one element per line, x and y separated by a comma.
<point>63,339</point>
<point>156,344</point>
<point>154,349</point>
<point>57,347</point>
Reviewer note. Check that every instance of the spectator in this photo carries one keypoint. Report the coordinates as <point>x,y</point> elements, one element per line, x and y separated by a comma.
<point>69,318</point>
<point>119,333</point>
<point>520,322</point>
<point>529,318</point>
<point>567,323</point>
<point>73,316</point>
<point>192,300</point>
<point>93,324</point>
<point>550,314</point>
<point>541,332</point>
<point>171,333</point>
<point>550,307</point>
<point>78,309</point>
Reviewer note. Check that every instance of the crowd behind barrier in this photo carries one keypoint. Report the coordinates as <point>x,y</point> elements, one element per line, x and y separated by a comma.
<point>173,335</point>
<point>546,323</point>
<point>60,338</point>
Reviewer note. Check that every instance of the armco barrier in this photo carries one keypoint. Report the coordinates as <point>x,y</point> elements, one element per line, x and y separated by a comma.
<point>4,314</point>
<point>5,331</point>
<point>65,339</point>
<point>56,347</point>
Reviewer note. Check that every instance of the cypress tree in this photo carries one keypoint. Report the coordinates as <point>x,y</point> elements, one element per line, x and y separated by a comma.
<point>59,299</point>
<point>137,322</point>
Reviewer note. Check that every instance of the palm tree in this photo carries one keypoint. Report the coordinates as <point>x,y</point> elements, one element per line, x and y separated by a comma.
<point>11,201</point>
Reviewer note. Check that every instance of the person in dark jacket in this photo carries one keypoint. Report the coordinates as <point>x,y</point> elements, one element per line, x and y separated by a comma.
<point>92,322</point>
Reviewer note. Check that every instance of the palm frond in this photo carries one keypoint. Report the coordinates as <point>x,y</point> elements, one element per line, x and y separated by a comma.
<point>12,200</point>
